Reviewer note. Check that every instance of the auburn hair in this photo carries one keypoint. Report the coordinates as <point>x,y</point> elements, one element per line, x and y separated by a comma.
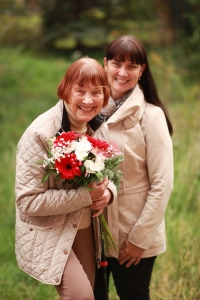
<point>84,72</point>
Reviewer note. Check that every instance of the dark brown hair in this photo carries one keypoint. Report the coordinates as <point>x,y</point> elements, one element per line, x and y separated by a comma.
<point>83,72</point>
<point>127,47</point>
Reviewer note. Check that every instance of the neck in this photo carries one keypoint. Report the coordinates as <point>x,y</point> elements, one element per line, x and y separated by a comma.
<point>75,125</point>
<point>118,96</point>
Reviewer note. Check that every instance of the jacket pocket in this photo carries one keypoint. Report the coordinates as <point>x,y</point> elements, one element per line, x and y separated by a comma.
<point>33,242</point>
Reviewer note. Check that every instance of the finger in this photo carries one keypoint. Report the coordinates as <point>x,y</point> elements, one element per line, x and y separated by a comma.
<point>96,214</point>
<point>98,183</point>
<point>130,262</point>
<point>94,184</point>
<point>136,262</point>
<point>105,182</point>
<point>123,260</point>
<point>122,255</point>
<point>96,204</point>
<point>105,179</point>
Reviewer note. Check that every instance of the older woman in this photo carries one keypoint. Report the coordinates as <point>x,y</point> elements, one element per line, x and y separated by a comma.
<point>54,233</point>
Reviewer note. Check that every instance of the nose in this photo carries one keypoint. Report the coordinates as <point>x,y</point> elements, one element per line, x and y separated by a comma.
<point>123,71</point>
<point>87,99</point>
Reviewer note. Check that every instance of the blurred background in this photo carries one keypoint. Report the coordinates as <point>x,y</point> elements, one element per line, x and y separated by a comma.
<point>39,39</point>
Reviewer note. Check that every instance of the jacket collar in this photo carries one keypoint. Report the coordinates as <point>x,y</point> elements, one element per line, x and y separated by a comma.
<point>131,111</point>
<point>65,125</point>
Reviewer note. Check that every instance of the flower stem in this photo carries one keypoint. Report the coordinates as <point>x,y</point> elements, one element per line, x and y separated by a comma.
<point>107,234</point>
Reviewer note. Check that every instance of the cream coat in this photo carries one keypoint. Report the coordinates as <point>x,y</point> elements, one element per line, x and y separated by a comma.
<point>141,133</point>
<point>47,216</point>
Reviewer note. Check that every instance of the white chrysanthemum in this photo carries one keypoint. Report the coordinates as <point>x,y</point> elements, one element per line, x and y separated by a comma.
<point>94,166</point>
<point>71,147</point>
<point>82,148</point>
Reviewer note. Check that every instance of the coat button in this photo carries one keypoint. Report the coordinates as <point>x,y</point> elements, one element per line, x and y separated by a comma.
<point>57,280</point>
<point>74,225</point>
<point>65,251</point>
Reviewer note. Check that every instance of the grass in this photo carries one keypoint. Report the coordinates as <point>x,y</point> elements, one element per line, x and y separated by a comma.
<point>28,87</point>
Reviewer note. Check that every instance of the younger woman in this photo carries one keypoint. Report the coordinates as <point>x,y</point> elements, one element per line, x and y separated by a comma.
<point>139,123</point>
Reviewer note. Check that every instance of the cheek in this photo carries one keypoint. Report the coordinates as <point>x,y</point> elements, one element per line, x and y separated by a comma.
<point>72,104</point>
<point>99,103</point>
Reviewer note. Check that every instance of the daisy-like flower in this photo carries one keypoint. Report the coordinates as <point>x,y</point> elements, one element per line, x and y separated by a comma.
<point>68,167</point>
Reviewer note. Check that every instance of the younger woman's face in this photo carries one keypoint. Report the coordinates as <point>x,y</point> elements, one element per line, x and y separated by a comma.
<point>122,76</point>
<point>86,102</point>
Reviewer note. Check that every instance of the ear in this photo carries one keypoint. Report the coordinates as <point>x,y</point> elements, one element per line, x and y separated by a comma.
<point>105,63</point>
<point>142,69</point>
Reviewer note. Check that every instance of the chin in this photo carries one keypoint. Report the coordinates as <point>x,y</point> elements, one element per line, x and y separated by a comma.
<point>85,120</point>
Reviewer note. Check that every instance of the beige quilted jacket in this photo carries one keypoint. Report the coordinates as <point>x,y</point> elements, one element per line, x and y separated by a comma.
<point>47,216</point>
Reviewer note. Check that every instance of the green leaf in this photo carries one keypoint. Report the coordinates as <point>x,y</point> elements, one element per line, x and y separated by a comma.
<point>45,177</point>
<point>99,175</point>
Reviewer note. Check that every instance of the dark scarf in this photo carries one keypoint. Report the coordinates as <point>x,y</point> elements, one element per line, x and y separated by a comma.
<point>118,103</point>
<point>65,126</point>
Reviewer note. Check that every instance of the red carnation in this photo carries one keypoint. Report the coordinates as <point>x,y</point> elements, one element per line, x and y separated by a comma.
<point>98,143</point>
<point>68,167</point>
<point>65,137</point>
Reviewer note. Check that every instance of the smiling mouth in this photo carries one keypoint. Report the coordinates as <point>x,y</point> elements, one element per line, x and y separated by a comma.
<point>121,81</point>
<point>86,108</point>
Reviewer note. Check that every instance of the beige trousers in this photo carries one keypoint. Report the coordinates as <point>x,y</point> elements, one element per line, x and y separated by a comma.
<point>79,272</point>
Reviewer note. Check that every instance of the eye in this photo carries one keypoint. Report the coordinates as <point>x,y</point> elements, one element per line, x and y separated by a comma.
<point>115,63</point>
<point>97,92</point>
<point>132,66</point>
<point>79,91</point>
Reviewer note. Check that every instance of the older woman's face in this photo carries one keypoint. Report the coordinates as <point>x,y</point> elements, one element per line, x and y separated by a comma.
<point>86,102</point>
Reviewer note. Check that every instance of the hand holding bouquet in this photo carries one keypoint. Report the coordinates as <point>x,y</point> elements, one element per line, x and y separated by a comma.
<point>82,159</point>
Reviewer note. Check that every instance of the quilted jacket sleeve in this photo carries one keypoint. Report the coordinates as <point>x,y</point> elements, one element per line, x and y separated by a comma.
<point>34,198</point>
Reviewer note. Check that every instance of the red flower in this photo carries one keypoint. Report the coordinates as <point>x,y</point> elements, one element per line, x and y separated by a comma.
<point>97,143</point>
<point>65,137</point>
<point>68,167</point>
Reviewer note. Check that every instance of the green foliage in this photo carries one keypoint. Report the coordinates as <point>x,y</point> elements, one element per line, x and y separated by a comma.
<point>20,30</point>
<point>28,87</point>
<point>89,22</point>
<point>187,25</point>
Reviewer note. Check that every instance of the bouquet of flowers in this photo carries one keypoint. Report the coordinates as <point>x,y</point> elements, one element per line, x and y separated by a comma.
<point>83,159</point>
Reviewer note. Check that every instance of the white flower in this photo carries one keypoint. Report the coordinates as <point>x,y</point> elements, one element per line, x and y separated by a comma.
<point>82,148</point>
<point>94,166</point>
<point>70,147</point>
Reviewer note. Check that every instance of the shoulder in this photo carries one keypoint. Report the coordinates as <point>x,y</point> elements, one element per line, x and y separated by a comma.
<point>153,111</point>
<point>153,114</point>
<point>51,116</point>
<point>154,120</point>
<point>46,124</point>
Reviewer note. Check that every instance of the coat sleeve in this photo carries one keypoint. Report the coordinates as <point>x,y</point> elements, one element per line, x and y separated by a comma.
<point>159,161</point>
<point>34,198</point>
